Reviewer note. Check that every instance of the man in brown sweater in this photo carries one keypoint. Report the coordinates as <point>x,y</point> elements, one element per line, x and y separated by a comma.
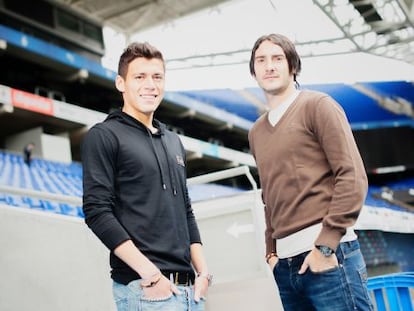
<point>313,186</point>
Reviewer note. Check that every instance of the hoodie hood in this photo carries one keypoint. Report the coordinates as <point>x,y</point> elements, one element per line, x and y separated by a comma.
<point>123,117</point>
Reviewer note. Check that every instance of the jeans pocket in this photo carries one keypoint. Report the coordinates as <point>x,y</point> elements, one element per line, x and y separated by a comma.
<point>276,266</point>
<point>125,296</point>
<point>165,303</point>
<point>119,292</point>
<point>330,270</point>
<point>161,299</point>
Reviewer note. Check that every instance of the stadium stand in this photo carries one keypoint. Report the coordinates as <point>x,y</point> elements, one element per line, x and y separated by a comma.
<point>228,100</point>
<point>393,89</point>
<point>374,248</point>
<point>362,111</point>
<point>45,185</point>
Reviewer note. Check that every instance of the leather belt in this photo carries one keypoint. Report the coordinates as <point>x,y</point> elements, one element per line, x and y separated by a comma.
<point>180,278</point>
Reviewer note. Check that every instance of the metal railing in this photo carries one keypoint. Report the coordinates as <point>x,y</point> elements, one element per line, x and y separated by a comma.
<point>229,173</point>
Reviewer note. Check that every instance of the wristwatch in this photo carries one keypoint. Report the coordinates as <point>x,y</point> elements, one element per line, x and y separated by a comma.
<point>325,250</point>
<point>208,276</point>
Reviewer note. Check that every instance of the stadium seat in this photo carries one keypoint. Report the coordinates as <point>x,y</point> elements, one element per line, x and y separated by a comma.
<point>11,200</point>
<point>392,292</point>
<point>71,210</point>
<point>34,203</point>
<point>52,207</point>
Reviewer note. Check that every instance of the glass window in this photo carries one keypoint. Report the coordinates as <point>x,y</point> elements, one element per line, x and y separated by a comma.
<point>92,32</point>
<point>67,21</point>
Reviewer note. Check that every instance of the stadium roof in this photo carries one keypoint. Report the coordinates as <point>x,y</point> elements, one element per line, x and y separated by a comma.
<point>131,16</point>
<point>221,32</point>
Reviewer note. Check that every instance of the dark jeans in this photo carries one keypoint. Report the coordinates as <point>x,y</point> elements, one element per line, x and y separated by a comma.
<point>341,289</point>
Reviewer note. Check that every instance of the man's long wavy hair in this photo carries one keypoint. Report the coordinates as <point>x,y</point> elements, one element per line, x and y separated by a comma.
<point>293,59</point>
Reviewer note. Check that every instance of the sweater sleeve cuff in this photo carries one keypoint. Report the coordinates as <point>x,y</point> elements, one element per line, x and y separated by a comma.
<point>270,245</point>
<point>329,237</point>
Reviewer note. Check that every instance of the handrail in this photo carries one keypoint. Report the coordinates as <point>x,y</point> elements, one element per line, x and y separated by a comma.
<point>231,172</point>
<point>61,198</point>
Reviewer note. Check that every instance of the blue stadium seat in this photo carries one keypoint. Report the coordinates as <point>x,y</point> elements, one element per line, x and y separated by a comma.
<point>71,210</point>
<point>52,207</point>
<point>392,292</point>
<point>34,203</point>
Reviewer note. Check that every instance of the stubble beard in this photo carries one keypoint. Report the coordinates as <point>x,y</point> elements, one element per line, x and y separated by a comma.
<point>275,90</point>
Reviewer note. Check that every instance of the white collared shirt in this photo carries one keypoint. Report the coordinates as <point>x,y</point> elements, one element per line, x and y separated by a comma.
<point>275,114</point>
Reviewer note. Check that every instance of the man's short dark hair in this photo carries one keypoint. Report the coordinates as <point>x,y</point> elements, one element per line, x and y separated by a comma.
<point>135,50</point>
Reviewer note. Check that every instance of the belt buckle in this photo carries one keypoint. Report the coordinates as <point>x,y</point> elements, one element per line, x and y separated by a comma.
<point>176,276</point>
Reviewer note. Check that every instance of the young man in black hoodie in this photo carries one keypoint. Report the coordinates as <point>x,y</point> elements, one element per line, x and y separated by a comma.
<point>136,199</point>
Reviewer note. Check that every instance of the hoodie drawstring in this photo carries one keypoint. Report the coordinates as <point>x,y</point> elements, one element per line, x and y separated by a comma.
<point>164,186</point>
<point>172,173</point>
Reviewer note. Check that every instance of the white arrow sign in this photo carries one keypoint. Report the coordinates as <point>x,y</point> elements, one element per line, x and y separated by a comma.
<point>236,229</point>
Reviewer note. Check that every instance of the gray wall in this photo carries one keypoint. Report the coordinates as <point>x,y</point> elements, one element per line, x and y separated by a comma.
<point>49,147</point>
<point>53,262</point>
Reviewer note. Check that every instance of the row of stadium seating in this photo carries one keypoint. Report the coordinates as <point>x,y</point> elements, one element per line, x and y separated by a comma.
<point>373,247</point>
<point>386,249</point>
<point>41,175</point>
<point>51,177</point>
<point>66,179</point>
<point>40,204</point>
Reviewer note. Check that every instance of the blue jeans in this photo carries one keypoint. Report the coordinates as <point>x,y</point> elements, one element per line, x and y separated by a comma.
<point>131,298</point>
<point>343,288</point>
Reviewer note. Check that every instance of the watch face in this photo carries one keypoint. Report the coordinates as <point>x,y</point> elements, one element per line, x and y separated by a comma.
<point>325,250</point>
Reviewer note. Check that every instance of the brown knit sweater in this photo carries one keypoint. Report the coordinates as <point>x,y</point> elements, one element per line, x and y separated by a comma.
<point>310,170</point>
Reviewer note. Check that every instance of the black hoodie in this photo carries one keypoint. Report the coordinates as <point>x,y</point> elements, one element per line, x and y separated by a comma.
<point>134,187</point>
